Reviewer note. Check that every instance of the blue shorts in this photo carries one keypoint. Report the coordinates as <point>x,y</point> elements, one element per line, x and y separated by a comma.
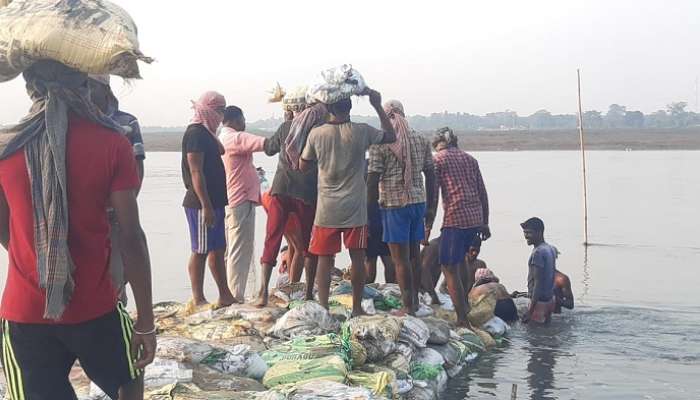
<point>455,243</point>
<point>376,247</point>
<point>206,239</point>
<point>405,224</point>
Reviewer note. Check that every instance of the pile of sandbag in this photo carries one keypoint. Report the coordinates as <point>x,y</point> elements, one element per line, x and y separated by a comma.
<point>304,352</point>
<point>92,36</point>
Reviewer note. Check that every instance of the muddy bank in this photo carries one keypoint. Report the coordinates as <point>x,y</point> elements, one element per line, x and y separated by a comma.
<point>619,139</point>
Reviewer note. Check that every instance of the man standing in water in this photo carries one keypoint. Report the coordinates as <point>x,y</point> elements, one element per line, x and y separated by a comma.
<point>59,304</point>
<point>394,179</point>
<point>293,193</point>
<point>466,208</point>
<point>541,270</point>
<point>338,148</point>
<point>204,176</point>
<point>243,188</point>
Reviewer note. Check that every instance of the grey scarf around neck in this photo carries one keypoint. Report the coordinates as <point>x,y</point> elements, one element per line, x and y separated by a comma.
<point>56,92</point>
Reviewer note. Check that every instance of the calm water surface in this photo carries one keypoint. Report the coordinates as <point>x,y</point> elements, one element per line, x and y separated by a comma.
<point>635,333</point>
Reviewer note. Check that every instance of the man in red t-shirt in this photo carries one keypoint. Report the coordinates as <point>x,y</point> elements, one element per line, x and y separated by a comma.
<point>41,345</point>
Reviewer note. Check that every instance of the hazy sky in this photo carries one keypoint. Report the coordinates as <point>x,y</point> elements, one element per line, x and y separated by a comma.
<point>435,56</point>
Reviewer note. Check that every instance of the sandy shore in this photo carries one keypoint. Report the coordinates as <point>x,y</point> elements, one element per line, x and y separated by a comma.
<point>621,139</point>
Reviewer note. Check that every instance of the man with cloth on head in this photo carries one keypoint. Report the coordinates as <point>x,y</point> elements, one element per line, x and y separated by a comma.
<point>101,94</point>
<point>204,176</point>
<point>60,168</point>
<point>292,196</point>
<point>394,178</point>
<point>338,148</point>
<point>466,207</point>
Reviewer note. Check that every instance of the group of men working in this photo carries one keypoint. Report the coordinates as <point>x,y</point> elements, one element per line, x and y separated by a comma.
<point>69,178</point>
<point>384,206</point>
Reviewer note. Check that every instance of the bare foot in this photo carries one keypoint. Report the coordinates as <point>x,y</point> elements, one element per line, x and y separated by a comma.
<point>262,301</point>
<point>402,312</point>
<point>199,302</point>
<point>226,301</point>
<point>358,313</point>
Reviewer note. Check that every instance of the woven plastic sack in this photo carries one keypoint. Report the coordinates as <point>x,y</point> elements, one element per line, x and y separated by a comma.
<point>237,360</point>
<point>328,390</point>
<point>209,379</point>
<point>192,392</point>
<point>378,334</point>
<point>397,362</point>
<point>336,84</point>
<point>183,349</point>
<point>92,36</point>
<point>482,309</point>
<point>496,327</point>
<point>414,331</point>
<point>439,330</point>
<point>358,353</point>
<point>454,353</point>
<point>308,348</point>
<point>308,319</point>
<point>471,340</point>
<point>428,356</point>
<point>380,381</point>
<point>165,372</point>
<point>331,368</point>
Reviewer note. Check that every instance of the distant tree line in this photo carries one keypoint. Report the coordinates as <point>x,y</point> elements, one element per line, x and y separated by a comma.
<point>675,115</point>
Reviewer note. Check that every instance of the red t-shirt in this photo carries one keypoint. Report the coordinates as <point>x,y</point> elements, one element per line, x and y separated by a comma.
<point>98,162</point>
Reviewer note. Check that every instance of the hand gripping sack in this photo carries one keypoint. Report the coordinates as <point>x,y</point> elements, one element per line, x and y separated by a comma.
<point>92,36</point>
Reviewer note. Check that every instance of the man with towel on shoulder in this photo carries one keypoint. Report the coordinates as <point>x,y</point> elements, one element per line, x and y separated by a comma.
<point>395,182</point>
<point>60,168</point>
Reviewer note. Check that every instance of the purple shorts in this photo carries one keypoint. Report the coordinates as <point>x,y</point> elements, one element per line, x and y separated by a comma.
<point>204,238</point>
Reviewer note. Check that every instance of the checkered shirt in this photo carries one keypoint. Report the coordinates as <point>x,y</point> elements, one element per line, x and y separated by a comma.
<point>383,161</point>
<point>464,197</point>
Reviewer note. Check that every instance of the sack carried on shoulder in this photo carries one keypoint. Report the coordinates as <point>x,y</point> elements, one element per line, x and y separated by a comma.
<point>93,36</point>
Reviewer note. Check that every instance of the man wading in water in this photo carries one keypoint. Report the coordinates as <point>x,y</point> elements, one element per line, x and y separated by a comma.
<point>59,303</point>
<point>338,149</point>
<point>541,269</point>
<point>394,178</point>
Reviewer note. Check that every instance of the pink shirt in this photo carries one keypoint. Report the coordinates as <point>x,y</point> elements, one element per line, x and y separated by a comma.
<point>242,182</point>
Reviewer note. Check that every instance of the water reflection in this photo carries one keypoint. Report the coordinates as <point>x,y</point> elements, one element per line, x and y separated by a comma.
<point>585,282</point>
<point>540,366</point>
<point>544,346</point>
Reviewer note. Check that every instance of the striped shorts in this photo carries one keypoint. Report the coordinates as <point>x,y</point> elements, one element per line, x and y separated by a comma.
<point>205,238</point>
<point>37,358</point>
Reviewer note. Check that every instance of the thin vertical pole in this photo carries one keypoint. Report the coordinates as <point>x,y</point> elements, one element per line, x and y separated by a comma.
<point>583,160</point>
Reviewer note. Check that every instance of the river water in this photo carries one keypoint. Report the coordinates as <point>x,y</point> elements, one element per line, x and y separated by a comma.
<point>635,332</point>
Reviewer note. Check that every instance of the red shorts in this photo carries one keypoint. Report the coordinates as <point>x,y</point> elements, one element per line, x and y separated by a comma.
<point>326,241</point>
<point>286,216</point>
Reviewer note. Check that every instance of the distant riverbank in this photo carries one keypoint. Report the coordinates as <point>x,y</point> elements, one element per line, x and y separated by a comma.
<point>608,139</point>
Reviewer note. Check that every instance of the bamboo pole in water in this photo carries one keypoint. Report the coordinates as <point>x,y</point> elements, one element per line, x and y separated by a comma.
<point>583,160</point>
<point>514,392</point>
